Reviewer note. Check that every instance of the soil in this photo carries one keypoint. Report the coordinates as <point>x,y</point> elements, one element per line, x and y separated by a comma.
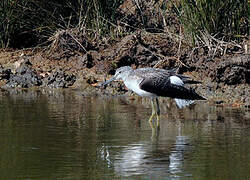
<point>225,79</point>
<point>76,62</point>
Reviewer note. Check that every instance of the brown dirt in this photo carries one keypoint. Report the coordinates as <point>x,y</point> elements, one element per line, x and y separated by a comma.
<point>225,73</point>
<point>225,79</point>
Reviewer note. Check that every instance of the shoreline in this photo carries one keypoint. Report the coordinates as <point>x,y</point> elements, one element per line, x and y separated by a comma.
<point>225,78</point>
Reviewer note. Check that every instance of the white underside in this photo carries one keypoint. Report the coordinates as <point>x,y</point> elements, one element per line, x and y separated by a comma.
<point>181,103</point>
<point>134,86</point>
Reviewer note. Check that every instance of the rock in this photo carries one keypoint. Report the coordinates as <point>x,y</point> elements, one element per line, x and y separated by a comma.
<point>24,77</point>
<point>59,79</point>
<point>4,73</point>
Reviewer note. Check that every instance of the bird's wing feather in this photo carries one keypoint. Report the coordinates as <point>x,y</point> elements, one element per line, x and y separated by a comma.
<point>162,86</point>
<point>151,72</point>
<point>145,72</point>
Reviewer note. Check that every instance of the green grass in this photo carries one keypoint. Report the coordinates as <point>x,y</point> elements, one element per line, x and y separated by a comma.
<point>7,21</point>
<point>26,23</point>
<point>224,19</point>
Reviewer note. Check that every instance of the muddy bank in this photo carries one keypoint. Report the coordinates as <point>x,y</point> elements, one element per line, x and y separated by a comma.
<point>225,78</point>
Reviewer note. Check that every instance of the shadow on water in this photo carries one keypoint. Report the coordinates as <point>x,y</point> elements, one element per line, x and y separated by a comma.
<point>62,135</point>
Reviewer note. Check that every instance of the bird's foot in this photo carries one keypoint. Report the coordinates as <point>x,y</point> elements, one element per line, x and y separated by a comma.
<point>151,117</point>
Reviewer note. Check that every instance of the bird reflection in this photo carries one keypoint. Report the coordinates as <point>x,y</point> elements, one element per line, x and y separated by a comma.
<point>176,156</point>
<point>147,159</point>
<point>158,157</point>
<point>155,131</point>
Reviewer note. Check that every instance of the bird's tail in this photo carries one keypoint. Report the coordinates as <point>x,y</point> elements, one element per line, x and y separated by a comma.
<point>181,103</point>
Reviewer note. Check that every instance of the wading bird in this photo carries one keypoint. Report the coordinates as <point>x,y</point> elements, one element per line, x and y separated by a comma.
<point>155,82</point>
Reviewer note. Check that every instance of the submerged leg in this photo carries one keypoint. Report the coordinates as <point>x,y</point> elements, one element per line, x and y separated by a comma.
<point>158,113</point>
<point>155,126</point>
<point>155,133</point>
<point>153,111</point>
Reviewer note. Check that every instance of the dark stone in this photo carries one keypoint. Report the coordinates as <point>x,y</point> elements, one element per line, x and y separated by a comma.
<point>4,73</point>
<point>59,79</point>
<point>24,77</point>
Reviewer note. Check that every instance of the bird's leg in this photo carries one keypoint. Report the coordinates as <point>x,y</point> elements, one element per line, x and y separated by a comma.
<point>155,126</point>
<point>153,111</point>
<point>158,113</point>
<point>154,134</point>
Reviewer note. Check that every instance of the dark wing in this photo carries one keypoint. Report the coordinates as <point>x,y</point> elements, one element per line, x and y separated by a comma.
<point>161,86</point>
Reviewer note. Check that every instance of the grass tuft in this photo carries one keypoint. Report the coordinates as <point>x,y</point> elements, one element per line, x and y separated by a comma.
<point>222,19</point>
<point>27,23</point>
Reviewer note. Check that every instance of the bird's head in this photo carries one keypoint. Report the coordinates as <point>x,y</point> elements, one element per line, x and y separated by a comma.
<point>120,73</point>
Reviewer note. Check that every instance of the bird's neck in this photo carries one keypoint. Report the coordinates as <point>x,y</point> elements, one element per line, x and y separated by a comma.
<point>126,75</point>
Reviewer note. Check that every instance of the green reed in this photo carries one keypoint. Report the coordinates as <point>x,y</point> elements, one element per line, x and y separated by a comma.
<point>26,23</point>
<point>227,19</point>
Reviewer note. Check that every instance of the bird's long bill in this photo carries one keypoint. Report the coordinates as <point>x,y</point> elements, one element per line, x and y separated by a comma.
<point>108,81</point>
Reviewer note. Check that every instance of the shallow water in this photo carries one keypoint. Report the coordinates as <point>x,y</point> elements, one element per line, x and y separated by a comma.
<point>64,135</point>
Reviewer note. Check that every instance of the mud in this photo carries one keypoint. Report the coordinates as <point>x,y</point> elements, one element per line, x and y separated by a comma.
<point>225,79</point>
<point>74,61</point>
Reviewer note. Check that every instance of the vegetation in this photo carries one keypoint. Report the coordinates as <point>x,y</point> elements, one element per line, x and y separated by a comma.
<point>224,19</point>
<point>27,23</point>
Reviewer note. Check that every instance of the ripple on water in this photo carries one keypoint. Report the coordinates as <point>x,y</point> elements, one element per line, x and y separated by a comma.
<point>64,137</point>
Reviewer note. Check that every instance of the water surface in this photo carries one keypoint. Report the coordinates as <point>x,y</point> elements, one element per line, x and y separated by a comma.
<point>64,135</point>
